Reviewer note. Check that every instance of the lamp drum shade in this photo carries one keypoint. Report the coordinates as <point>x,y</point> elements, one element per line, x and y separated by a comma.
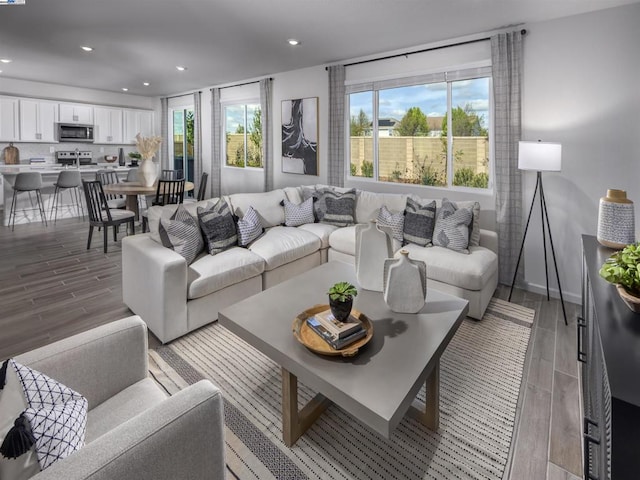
<point>616,220</point>
<point>540,156</point>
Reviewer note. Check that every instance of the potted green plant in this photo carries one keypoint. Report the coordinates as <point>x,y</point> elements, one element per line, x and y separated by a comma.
<point>135,158</point>
<point>341,299</point>
<point>622,269</point>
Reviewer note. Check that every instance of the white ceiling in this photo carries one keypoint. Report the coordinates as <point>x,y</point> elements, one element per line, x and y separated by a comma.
<point>223,41</point>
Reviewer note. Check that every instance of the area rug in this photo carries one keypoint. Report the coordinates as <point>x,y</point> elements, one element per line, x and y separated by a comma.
<point>480,374</point>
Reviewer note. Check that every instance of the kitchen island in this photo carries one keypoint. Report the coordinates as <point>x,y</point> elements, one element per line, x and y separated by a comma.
<point>24,210</point>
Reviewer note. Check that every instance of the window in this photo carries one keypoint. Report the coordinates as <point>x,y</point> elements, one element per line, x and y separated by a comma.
<point>243,135</point>
<point>429,130</point>
<point>183,140</point>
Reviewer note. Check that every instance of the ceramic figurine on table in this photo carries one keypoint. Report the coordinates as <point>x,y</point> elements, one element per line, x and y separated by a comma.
<point>373,247</point>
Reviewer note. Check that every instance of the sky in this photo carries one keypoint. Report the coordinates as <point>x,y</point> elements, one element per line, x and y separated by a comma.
<point>431,98</point>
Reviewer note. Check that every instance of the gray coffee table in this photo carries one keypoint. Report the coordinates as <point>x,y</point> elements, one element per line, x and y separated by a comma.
<point>379,385</point>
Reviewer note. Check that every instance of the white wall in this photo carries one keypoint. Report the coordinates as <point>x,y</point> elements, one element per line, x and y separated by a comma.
<point>581,88</point>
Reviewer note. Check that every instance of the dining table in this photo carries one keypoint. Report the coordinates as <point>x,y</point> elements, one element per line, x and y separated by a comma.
<point>131,190</point>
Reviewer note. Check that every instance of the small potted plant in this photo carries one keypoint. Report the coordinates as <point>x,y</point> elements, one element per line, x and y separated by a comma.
<point>135,158</point>
<point>621,269</point>
<point>341,300</point>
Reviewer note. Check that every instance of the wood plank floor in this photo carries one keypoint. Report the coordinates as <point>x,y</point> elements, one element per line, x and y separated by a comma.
<point>52,287</point>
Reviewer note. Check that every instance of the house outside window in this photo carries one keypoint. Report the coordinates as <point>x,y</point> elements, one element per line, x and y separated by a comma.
<point>431,130</point>
<point>243,135</point>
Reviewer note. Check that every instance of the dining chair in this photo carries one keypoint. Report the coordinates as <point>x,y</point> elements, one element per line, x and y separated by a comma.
<point>202,189</point>
<point>27,182</point>
<point>171,175</point>
<point>107,177</point>
<point>168,192</point>
<point>101,215</point>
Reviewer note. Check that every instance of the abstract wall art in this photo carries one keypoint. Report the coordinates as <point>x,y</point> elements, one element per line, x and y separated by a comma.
<point>300,136</point>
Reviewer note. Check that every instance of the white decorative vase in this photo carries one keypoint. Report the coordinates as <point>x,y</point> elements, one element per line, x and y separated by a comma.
<point>616,220</point>
<point>405,283</point>
<point>373,247</point>
<point>147,172</point>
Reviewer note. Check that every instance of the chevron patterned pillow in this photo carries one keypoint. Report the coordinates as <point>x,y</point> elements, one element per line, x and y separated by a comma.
<point>452,227</point>
<point>181,233</point>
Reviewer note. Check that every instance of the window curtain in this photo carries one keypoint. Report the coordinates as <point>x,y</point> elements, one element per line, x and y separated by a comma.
<point>336,171</point>
<point>216,144</point>
<point>164,132</point>
<point>267,130</point>
<point>197,136</point>
<point>506,57</point>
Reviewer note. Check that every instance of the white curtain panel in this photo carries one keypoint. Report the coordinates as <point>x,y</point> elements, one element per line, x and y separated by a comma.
<point>164,133</point>
<point>197,136</point>
<point>336,171</point>
<point>506,57</point>
<point>216,145</point>
<point>266,85</point>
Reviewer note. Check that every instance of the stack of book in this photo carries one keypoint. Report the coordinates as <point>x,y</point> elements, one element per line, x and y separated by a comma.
<point>336,333</point>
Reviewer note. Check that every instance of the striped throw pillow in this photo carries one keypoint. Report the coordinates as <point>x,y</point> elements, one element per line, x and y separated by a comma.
<point>340,208</point>
<point>419,222</point>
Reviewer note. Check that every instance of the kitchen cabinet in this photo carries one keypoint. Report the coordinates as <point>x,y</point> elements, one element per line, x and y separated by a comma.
<point>37,120</point>
<point>137,121</point>
<point>75,113</point>
<point>108,125</point>
<point>9,119</point>
<point>608,342</point>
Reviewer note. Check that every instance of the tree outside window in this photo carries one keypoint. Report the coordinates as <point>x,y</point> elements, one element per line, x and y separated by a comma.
<point>243,136</point>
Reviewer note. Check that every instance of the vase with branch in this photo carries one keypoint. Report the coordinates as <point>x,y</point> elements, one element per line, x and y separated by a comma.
<point>147,147</point>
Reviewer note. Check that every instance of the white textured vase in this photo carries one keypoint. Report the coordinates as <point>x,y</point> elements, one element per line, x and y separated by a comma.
<point>147,172</point>
<point>405,283</point>
<point>616,220</point>
<point>373,247</point>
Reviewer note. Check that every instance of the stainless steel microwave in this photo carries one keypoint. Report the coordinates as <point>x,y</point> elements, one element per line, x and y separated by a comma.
<point>72,132</point>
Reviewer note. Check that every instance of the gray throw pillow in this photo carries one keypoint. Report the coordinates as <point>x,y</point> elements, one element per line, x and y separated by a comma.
<point>181,233</point>
<point>218,227</point>
<point>474,229</point>
<point>452,227</point>
<point>419,222</point>
<point>249,227</point>
<point>296,215</point>
<point>340,208</point>
<point>395,221</point>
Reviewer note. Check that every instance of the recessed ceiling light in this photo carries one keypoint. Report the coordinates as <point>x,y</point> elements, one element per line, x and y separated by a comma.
<point>87,49</point>
<point>146,84</point>
<point>181,68</point>
<point>5,60</point>
<point>293,42</point>
<point>125,89</point>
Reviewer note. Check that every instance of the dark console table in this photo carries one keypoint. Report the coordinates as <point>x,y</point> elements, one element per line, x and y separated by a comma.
<point>609,350</point>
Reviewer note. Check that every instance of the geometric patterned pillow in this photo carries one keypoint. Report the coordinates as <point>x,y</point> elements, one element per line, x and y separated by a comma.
<point>419,222</point>
<point>474,228</point>
<point>249,227</point>
<point>296,215</point>
<point>54,421</point>
<point>452,227</point>
<point>181,233</point>
<point>395,221</point>
<point>218,227</point>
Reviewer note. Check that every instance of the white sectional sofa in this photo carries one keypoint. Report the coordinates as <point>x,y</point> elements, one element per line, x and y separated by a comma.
<point>174,298</point>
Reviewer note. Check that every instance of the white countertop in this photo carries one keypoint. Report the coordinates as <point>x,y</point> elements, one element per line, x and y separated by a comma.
<point>54,168</point>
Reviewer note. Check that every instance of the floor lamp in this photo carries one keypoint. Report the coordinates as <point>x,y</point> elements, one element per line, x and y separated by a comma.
<point>540,157</point>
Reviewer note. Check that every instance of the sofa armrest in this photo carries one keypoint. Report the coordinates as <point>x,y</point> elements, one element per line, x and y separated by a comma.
<point>98,363</point>
<point>182,437</point>
<point>489,239</point>
<point>154,285</point>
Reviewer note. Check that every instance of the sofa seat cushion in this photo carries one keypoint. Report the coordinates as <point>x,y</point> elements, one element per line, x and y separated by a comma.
<point>282,245</point>
<point>344,240</point>
<point>210,273</point>
<point>471,272</point>
<point>322,230</point>
<point>123,406</point>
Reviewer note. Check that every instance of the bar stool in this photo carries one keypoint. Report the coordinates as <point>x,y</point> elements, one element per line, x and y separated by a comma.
<point>67,179</point>
<point>27,182</point>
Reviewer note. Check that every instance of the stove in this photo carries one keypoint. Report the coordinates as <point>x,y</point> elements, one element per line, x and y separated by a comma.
<point>70,157</point>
